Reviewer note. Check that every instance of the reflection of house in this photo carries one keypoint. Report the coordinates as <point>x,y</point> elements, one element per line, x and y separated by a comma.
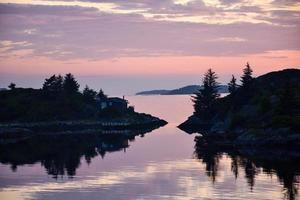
<point>114,103</point>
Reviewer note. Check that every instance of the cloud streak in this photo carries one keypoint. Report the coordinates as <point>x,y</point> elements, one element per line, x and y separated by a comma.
<point>96,30</point>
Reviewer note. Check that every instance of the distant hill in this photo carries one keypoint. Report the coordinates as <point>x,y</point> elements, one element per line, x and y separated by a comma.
<point>153,92</point>
<point>190,89</point>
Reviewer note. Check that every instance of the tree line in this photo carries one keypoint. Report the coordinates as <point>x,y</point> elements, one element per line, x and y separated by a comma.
<point>59,98</point>
<point>205,99</point>
<point>57,85</point>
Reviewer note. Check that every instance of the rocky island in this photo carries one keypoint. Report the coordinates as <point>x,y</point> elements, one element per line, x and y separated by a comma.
<point>262,111</point>
<point>60,108</point>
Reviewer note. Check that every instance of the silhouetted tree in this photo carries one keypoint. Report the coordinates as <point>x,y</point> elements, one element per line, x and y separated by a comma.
<point>205,98</point>
<point>247,76</point>
<point>12,86</point>
<point>232,86</point>
<point>70,85</point>
<point>53,84</point>
<point>101,94</point>
<point>89,94</point>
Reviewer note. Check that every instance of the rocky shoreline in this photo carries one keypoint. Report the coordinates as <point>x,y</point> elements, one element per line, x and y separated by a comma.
<point>220,135</point>
<point>24,130</point>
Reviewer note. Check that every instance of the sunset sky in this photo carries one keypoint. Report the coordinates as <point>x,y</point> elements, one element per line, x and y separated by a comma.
<point>127,46</point>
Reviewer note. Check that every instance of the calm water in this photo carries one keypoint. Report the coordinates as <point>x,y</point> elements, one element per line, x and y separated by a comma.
<point>164,164</point>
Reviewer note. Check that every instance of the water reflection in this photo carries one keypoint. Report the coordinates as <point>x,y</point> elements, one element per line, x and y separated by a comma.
<point>166,164</point>
<point>253,161</point>
<point>61,155</point>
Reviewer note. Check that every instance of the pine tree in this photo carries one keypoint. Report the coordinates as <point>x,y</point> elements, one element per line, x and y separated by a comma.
<point>247,76</point>
<point>205,98</point>
<point>89,94</point>
<point>232,86</point>
<point>101,95</point>
<point>12,86</point>
<point>58,84</point>
<point>70,85</point>
<point>53,84</point>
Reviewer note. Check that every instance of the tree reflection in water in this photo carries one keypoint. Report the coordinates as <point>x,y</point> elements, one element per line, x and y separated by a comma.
<point>253,161</point>
<point>61,155</point>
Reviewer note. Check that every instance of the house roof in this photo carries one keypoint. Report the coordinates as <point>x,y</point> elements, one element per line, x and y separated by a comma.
<point>112,99</point>
<point>117,100</point>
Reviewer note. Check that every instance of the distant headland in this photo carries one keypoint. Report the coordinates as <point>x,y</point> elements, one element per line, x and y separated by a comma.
<point>190,89</point>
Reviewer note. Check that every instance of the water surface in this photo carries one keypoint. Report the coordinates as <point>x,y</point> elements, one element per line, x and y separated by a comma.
<point>163,164</point>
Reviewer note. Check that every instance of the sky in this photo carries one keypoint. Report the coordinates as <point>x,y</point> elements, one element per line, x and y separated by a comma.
<point>127,46</point>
